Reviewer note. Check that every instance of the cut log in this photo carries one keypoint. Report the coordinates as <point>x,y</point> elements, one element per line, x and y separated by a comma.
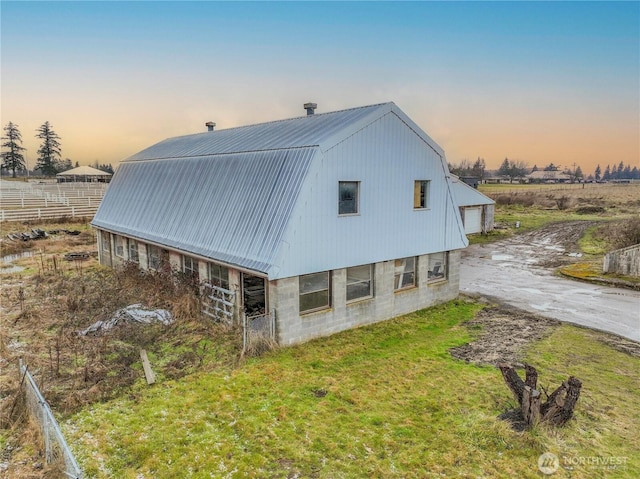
<point>556,410</point>
<point>531,406</point>
<point>513,381</point>
<point>148,372</point>
<point>531,376</point>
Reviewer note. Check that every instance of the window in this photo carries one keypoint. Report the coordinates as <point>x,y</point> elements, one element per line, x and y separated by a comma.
<point>348,197</point>
<point>421,194</point>
<point>438,266</point>
<point>132,246</point>
<point>359,282</point>
<point>190,267</point>
<point>314,291</point>
<point>120,246</point>
<point>405,273</point>
<point>154,254</point>
<point>218,275</point>
<point>106,246</point>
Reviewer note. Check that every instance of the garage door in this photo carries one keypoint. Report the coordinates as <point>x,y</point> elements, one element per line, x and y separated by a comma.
<point>473,220</point>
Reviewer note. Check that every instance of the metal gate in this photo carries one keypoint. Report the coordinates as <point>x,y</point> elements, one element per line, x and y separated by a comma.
<point>218,303</point>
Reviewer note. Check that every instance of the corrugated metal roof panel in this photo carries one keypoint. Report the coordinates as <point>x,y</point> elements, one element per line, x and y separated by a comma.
<point>232,207</point>
<point>311,130</point>
<point>466,195</point>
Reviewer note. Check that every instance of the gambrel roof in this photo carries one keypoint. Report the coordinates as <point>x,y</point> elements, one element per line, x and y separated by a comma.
<point>229,195</point>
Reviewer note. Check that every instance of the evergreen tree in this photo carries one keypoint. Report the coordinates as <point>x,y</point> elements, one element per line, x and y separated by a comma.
<point>578,173</point>
<point>635,173</point>
<point>598,173</point>
<point>77,164</point>
<point>614,173</point>
<point>626,174</point>
<point>607,173</point>
<point>49,152</point>
<point>478,169</point>
<point>13,159</point>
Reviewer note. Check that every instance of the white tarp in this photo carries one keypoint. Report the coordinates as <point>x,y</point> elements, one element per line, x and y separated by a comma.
<point>134,313</point>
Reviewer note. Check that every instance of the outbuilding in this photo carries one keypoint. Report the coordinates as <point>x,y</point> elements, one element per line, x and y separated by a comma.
<point>84,174</point>
<point>477,210</point>
<point>322,222</point>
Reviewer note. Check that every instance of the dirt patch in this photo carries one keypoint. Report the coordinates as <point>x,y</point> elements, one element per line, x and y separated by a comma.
<point>503,333</point>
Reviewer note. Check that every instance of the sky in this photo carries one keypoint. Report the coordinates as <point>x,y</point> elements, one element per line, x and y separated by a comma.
<point>539,82</point>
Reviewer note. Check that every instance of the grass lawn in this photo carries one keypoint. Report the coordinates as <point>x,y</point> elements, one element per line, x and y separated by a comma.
<point>385,400</point>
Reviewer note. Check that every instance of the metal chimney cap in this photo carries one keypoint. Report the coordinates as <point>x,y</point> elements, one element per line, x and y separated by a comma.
<point>310,107</point>
<point>210,125</point>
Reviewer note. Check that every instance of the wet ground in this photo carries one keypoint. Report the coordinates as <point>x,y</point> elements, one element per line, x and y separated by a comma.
<point>519,271</point>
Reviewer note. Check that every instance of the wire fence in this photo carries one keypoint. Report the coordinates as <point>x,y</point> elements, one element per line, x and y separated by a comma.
<point>56,448</point>
<point>258,332</point>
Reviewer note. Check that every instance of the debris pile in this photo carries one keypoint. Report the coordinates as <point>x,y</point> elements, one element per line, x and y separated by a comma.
<point>134,313</point>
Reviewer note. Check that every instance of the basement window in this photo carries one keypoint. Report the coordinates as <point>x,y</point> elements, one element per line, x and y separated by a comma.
<point>218,275</point>
<point>132,246</point>
<point>154,255</point>
<point>359,282</point>
<point>120,246</point>
<point>438,266</point>
<point>348,192</point>
<point>314,292</point>
<point>405,273</point>
<point>421,194</point>
<point>190,267</point>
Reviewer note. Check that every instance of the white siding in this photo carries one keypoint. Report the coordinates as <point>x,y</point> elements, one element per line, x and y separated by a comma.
<point>386,157</point>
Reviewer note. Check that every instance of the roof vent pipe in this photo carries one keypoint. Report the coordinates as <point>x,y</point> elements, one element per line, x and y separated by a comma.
<point>210,125</point>
<point>310,107</point>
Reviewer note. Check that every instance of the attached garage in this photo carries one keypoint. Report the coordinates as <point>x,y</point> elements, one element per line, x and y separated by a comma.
<point>476,209</point>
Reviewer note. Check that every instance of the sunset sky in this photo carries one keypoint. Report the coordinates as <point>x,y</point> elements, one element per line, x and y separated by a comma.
<point>542,82</point>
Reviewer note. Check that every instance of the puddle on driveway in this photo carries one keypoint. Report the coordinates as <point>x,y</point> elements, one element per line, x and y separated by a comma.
<point>501,257</point>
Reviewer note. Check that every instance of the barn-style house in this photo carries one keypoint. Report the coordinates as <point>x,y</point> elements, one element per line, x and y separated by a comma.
<point>327,221</point>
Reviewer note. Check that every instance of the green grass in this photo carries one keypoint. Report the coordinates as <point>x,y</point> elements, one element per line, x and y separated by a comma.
<point>380,401</point>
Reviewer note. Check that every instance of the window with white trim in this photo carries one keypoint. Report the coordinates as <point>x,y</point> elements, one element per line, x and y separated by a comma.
<point>421,194</point>
<point>218,275</point>
<point>120,246</point>
<point>314,293</point>
<point>190,267</point>
<point>348,193</point>
<point>438,266</point>
<point>154,256</point>
<point>405,273</point>
<point>132,246</point>
<point>359,282</point>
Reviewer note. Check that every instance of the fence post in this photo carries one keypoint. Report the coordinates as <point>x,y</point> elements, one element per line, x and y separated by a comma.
<point>40,213</point>
<point>73,211</point>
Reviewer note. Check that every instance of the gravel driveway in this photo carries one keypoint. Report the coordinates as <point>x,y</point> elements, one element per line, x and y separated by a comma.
<point>519,271</point>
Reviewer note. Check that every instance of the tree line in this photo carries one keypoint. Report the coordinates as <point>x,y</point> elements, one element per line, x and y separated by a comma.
<point>519,169</point>
<point>49,161</point>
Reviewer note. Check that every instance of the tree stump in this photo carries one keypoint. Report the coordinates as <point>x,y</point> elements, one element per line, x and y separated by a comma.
<point>556,410</point>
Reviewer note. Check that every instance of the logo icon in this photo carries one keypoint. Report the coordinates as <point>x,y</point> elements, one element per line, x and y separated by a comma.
<point>548,463</point>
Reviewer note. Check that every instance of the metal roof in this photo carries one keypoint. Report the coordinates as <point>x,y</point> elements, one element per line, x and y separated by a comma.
<point>466,195</point>
<point>229,207</point>
<point>230,195</point>
<point>309,130</point>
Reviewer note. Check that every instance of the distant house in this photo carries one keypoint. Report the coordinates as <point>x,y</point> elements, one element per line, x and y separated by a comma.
<point>551,176</point>
<point>477,210</point>
<point>84,174</point>
<point>326,221</point>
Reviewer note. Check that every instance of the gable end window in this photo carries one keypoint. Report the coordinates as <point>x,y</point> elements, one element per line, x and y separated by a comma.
<point>314,292</point>
<point>348,193</point>
<point>359,283</point>
<point>421,194</point>
<point>405,273</point>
